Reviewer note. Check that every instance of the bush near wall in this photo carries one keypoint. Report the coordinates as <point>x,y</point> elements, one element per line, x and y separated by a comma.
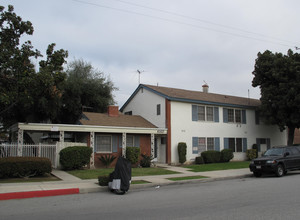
<point>251,154</point>
<point>182,152</point>
<point>72,158</point>
<point>199,160</point>
<point>226,155</point>
<point>132,154</point>
<point>211,156</point>
<point>24,166</point>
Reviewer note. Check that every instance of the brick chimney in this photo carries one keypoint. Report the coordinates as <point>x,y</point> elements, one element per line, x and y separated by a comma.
<point>205,88</point>
<point>113,111</point>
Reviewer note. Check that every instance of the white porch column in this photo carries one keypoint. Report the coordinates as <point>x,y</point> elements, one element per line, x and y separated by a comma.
<point>152,145</point>
<point>20,142</point>
<point>124,144</point>
<point>61,136</point>
<point>92,145</point>
<point>59,146</point>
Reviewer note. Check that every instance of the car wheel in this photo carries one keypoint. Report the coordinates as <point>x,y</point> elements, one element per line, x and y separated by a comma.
<point>279,170</point>
<point>257,174</point>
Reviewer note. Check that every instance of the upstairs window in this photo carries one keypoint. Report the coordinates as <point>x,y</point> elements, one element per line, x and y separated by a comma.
<point>231,115</point>
<point>205,113</point>
<point>158,109</point>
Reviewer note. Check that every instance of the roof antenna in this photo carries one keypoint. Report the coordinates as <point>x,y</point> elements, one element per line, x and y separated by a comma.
<point>139,72</point>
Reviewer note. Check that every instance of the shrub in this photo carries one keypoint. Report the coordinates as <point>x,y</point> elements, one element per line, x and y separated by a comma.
<point>255,147</point>
<point>251,154</point>
<point>226,155</point>
<point>24,166</point>
<point>211,156</point>
<point>103,180</point>
<point>107,159</point>
<point>182,152</point>
<point>76,157</point>
<point>146,160</point>
<point>132,154</point>
<point>199,160</point>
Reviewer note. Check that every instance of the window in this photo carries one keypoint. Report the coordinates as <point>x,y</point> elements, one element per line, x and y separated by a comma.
<point>132,141</point>
<point>230,115</point>
<point>201,113</point>
<point>128,113</point>
<point>238,116</point>
<point>210,144</point>
<point>103,143</point>
<point>158,109</point>
<point>201,144</point>
<point>232,144</point>
<point>235,144</point>
<point>209,113</point>
<point>205,113</point>
<point>239,145</point>
<point>129,141</point>
<point>234,115</point>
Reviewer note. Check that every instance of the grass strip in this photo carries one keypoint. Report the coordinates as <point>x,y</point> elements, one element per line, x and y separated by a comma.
<point>218,166</point>
<point>139,182</point>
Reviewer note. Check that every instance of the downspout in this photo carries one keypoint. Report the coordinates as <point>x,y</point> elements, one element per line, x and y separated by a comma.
<point>168,126</point>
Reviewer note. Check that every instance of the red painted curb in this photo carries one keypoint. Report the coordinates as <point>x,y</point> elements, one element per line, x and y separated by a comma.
<point>43,193</point>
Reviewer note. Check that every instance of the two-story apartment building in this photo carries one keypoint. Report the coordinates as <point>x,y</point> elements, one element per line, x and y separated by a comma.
<point>203,120</point>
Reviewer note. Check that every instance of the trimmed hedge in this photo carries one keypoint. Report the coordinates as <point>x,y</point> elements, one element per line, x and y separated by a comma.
<point>24,166</point>
<point>103,180</point>
<point>182,152</point>
<point>132,154</point>
<point>211,156</point>
<point>226,155</point>
<point>72,158</point>
<point>199,160</point>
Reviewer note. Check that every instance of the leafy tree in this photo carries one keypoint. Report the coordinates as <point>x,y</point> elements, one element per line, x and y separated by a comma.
<point>85,87</point>
<point>27,95</point>
<point>16,69</point>
<point>278,77</point>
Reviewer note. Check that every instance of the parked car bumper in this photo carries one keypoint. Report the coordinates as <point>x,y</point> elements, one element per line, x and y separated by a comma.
<point>266,168</point>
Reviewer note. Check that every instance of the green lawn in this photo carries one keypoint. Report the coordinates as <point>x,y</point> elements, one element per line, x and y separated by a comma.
<point>94,173</point>
<point>218,166</point>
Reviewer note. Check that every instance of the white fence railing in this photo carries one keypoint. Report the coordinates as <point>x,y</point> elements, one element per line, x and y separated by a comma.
<point>31,150</point>
<point>50,151</point>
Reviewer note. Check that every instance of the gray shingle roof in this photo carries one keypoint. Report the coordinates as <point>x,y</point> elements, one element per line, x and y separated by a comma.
<point>102,119</point>
<point>198,96</point>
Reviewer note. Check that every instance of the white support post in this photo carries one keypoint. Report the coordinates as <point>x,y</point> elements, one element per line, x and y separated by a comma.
<point>20,142</point>
<point>92,145</point>
<point>61,136</point>
<point>152,145</point>
<point>124,145</point>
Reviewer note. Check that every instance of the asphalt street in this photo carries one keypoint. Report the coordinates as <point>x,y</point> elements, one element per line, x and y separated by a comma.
<point>268,197</point>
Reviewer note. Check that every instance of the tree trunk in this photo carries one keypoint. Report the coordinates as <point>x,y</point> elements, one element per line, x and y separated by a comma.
<point>291,133</point>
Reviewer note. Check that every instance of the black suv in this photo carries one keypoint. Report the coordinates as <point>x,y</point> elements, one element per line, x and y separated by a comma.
<point>277,160</point>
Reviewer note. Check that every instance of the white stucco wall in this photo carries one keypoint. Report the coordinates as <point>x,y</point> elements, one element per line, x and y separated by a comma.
<point>183,129</point>
<point>144,103</point>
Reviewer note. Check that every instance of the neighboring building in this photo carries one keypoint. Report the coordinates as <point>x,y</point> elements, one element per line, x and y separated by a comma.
<point>297,136</point>
<point>106,133</point>
<point>203,120</point>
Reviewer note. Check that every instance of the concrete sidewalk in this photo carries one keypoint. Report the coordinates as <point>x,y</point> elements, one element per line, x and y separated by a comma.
<point>72,185</point>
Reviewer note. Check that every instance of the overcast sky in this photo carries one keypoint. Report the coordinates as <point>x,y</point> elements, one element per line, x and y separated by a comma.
<point>174,43</point>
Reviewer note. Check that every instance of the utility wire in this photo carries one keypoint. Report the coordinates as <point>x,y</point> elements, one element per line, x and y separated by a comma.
<point>202,20</point>
<point>184,23</point>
